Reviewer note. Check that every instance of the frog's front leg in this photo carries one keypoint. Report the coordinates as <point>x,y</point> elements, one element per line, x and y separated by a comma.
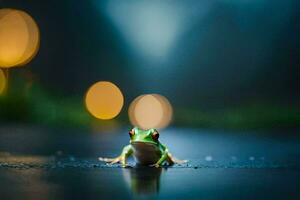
<point>166,156</point>
<point>163,158</point>
<point>126,152</point>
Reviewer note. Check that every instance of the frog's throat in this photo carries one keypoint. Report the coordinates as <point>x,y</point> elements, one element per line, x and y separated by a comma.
<point>146,153</point>
<point>148,142</point>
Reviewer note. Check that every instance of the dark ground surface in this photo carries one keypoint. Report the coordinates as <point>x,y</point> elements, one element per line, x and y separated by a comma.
<point>40,163</point>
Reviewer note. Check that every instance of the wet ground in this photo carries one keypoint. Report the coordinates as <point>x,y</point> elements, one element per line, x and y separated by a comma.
<point>40,163</point>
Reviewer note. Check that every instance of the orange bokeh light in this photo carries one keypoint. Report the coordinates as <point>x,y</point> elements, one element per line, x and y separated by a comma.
<point>19,38</point>
<point>104,100</point>
<point>150,111</point>
<point>167,111</point>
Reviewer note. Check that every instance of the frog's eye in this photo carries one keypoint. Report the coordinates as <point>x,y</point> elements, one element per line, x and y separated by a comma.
<point>155,135</point>
<point>131,132</point>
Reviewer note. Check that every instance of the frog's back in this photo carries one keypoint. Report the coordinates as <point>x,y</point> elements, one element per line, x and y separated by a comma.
<point>146,153</point>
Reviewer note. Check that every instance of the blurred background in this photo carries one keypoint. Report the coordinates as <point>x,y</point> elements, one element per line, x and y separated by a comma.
<point>228,64</point>
<point>222,76</point>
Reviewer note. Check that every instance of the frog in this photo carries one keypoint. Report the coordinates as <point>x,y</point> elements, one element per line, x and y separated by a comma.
<point>145,147</point>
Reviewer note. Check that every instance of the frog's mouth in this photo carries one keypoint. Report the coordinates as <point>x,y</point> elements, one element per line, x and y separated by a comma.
<point>143,142</point>
<point>145,147</point>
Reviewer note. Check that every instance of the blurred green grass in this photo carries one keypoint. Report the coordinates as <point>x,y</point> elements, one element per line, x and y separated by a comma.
<point>32,104</point>
<point>250,116</point>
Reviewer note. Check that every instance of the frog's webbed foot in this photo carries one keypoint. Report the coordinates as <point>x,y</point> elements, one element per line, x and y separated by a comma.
<point>167,157</point>
<point>111,160</point>
<point>127,151</point>
<point>155,165</point>
<point>172,160</point>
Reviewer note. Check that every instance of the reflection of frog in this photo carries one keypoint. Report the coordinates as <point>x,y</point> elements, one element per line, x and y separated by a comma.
<point>143,181</point>
<point>146,149</point>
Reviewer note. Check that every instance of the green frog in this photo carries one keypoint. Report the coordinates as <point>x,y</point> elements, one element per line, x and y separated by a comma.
<point>146,149</point>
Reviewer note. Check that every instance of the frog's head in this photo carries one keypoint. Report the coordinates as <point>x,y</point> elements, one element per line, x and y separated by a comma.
<point>144,136</point>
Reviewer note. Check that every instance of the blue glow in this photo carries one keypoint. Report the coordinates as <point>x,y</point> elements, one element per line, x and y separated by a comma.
<point>152,28</point>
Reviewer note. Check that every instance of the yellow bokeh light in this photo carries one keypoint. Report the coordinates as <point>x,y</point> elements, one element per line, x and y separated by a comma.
<point>132,109</point>
<point>19,38</point>
<point>167,110</point>
<point>104,100</point>
<point>2,81</point>
<point>33,43</point>
<point>150,111</point>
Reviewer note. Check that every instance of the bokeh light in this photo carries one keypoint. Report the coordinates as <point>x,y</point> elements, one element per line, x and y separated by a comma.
<point>150,111</point>
<point>19,38</point>
<point>104,100</point>
<point>2,81</point>
<point>167,109</point>
<point>132,109</point>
